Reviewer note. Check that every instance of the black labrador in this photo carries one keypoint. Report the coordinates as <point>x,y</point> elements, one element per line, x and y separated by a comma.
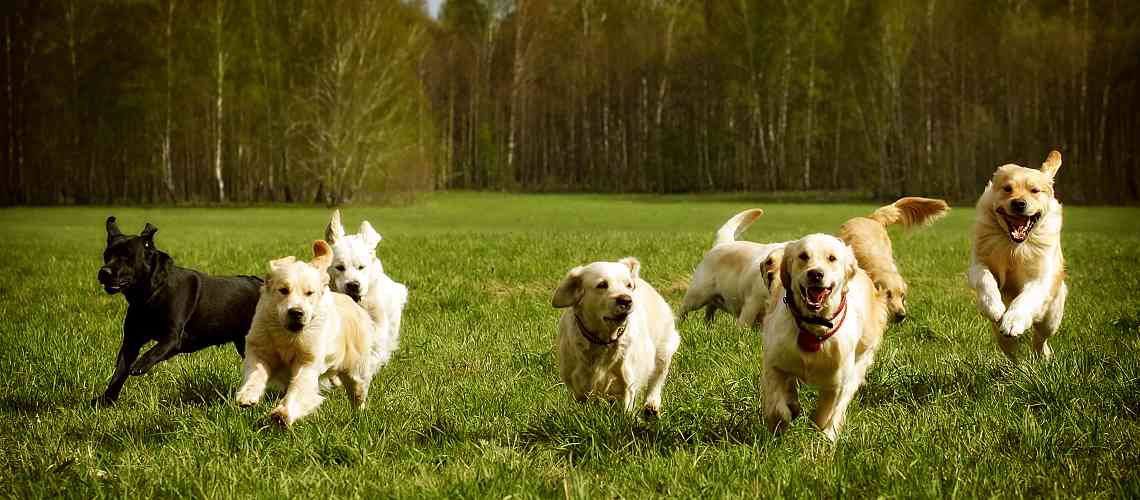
<point>181,309</point>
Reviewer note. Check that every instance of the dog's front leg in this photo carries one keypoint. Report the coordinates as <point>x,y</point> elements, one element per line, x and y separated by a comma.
<point>165,349</point>
<point>989,295</point>
<point>1019,317</point>
<point>128,351</point>
<point>255,374</point>
<point>302,397</point>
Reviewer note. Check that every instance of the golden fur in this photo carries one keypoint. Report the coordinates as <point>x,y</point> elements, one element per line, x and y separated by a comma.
<point>303,334</point>
<point>1018,270</point>
<point>603,297</point>
<point>840,365</point>
<point>734,276</point>
<point>872,246</point>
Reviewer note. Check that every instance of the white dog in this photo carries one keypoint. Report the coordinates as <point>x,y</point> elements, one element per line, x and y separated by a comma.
<point>356,272</point>
<point>617,336</point>
<point>303,333</point>
<point>825,332</point>
<point>735,276</point>
<point>1018,271</point>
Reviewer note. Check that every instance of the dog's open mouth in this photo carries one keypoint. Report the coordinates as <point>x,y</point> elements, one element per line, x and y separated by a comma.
<point>354,296</point>
<point>1019,226</point>
<point>815,296</point>
<point>113,288</point>
<point>617,319</point>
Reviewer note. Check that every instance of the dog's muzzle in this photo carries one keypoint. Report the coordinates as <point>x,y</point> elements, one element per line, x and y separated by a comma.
<point>110,284</point>
<point>352,289</point>
<point>294,320</point>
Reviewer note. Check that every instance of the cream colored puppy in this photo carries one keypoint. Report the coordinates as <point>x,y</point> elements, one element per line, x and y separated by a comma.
<point>302,333</point>
<point>616,337</point>
<point>358,273</point>
<point>734,276</point>
<point>824,332</point>
<point>1018,271</point>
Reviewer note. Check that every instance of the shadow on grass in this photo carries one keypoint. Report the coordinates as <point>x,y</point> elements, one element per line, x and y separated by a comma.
<point>206,389</point>
<point>600,431</point>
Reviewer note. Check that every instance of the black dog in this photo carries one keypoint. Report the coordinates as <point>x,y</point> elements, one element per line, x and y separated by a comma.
<point>181,309</point>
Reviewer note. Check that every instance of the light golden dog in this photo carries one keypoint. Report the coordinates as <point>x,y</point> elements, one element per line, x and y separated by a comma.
<point>734,276</point>
<point>303,334</point>
<point>824,332</point>
<point>616,337</point>
<point>1018,271</point>
<point>872,245</point>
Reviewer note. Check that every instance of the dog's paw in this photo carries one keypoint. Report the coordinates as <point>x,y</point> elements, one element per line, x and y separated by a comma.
<point>102,401</point>
<point>992,309</point>
<point>244,401</point>
<point>651,412</point>
<point>1014,323</point>
<point>139,368</point>
<point>280,415</point>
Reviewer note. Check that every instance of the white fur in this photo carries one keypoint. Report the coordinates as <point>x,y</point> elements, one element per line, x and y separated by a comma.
<point>639,359</point>
<point>383,298</point>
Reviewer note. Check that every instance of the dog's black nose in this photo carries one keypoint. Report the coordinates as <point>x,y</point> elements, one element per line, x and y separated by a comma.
<point>899,316</point>
<point>295,314</point>
<point>1018,205</point>
<point>624,301</point>
<point>352,287</point>
<point>815,275</point>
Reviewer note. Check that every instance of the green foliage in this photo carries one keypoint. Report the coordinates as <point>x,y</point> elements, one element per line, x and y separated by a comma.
<point>471,405</point>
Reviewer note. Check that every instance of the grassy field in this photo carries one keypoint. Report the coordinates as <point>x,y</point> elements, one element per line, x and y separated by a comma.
<point>471,406</point>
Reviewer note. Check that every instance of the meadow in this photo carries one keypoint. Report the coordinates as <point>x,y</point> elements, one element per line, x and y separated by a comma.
<point>471,405</point>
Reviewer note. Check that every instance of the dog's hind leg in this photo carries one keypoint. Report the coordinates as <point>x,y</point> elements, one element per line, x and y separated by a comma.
<point>1049,324</point>
<point>357,389</point>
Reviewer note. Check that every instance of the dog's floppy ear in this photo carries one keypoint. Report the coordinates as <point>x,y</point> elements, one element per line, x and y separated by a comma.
<point>785,268</point>
<point>322,255</point>
<point>569,292</point>
<point>335,230</point>
<point>113,232</point>
<point>634,266</point>
<point>147,234</point>
<point>371,237</point>
<point>852,263</point>
<point>1052,164</point>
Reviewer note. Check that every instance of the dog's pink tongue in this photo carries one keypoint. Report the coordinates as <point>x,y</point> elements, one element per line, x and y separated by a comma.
<point>816,294</point>
<point>1019,227</point>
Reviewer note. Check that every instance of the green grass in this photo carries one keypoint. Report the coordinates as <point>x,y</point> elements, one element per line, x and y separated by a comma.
<point>472,407</point>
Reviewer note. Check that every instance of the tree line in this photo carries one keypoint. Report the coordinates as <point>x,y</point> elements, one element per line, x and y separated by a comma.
<point>157,101</point>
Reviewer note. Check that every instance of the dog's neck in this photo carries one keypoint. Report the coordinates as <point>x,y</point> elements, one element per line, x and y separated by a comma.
<point>815,330</point>
<point>599,337</point>
<point>155,282</point>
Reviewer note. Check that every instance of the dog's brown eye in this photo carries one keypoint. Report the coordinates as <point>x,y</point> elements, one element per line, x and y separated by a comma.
<point>360,268</point>
<point>1034,190</point>
<point>629,285</point>
<point>309,293</point>
<point>1008,189</point>
<point>603,285</point>
<point>340,268</point>
<point>888,294</point>
<point>831,258</point>
<point>804,256</point>
<point>284,291</point>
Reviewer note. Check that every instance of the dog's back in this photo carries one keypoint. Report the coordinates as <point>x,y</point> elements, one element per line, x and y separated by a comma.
<point>225,307</point>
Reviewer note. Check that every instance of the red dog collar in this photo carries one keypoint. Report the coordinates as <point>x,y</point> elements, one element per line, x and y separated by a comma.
<point>808,341</point>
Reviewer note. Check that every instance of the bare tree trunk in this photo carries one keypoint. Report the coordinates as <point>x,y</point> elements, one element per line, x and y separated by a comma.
<point>167,167</point>
<point>220,75</point>
<point>811,104</point>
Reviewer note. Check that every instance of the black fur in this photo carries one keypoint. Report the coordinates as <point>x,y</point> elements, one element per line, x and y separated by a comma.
<point>181,309</point>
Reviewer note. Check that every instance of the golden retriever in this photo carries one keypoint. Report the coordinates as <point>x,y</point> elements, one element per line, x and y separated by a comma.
<point>734,276</point>
<point>304,334</point>
<point>872,246</point>
<point>1018,271</point>
<point>824,332</point>
<point>616,336</point>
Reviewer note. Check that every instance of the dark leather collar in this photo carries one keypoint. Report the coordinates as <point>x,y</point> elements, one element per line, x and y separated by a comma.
<point>806,340</point>
<point>594,339</point>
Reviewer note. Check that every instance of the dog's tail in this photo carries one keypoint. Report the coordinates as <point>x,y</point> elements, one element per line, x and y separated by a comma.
<point>737,225</point>
<point>911,211</point>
